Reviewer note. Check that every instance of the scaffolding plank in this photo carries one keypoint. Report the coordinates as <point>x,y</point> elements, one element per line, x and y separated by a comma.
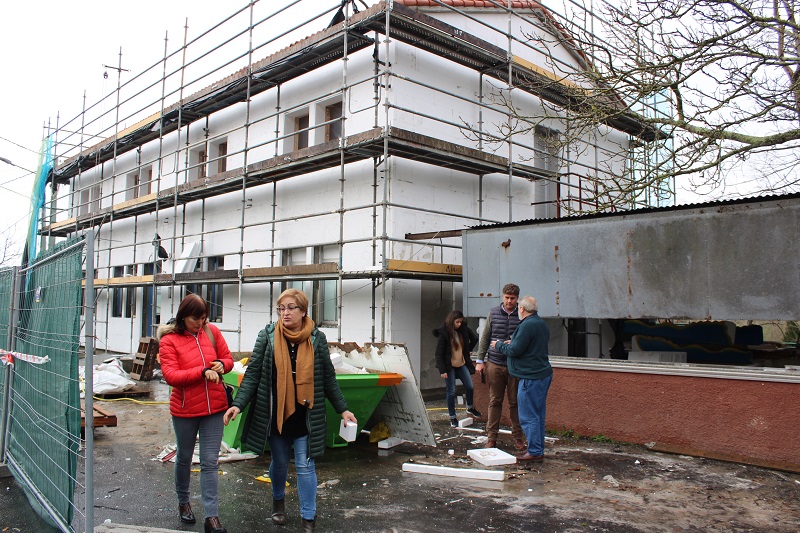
<point>421,266</point>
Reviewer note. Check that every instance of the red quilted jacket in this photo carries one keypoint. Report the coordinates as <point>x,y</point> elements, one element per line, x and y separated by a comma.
<point>184,359</point>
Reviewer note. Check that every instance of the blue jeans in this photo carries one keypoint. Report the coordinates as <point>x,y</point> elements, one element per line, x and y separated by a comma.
<point>281,449</point>
<point>210,429</point>
<point>461,373</point>
<point>532,408</point>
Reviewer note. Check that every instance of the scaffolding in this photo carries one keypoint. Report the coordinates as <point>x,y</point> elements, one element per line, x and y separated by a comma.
<point>314,95</point>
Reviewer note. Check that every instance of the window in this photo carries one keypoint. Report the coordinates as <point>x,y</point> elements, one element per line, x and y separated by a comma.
<point>144,184</point>
<point>117,294</point>
<point>85,201</point>
<point>130,293</point>
<point>333,130</point>
<point>546,193</point>
<point>97,191</point>
<point>222,161</point>
<point>326,311</point>
<point>323,298</point>
<point>301,124</point>
<point>197,163</point>
<point>294,257</point>
<point>212,292</point>
<point>547,148</point>
<point>132,186</point>
<point>195,288</point>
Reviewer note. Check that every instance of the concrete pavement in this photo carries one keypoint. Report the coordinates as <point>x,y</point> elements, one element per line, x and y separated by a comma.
<point>583,485</point>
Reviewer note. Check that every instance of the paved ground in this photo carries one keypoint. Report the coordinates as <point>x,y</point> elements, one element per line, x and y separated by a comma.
<point>582,486</point>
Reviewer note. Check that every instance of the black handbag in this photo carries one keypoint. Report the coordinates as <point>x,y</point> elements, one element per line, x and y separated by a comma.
<point>229,393</point>
<point>228,388</point>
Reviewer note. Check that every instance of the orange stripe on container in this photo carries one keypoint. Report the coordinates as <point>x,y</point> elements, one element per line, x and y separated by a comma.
<point>388,379</point>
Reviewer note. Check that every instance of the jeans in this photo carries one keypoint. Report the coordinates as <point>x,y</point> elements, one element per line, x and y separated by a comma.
<point>532,404</point>
<point>210,429</point>
<point>281,449</point>
<point>461,373</point>
<point>501,383</point>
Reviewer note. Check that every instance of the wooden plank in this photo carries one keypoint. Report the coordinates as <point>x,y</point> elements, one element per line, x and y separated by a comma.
<point>101,418</point>
<point>293,270</point>
<point>122,281</point>
<point>130,393</point>
<point>401,265</point>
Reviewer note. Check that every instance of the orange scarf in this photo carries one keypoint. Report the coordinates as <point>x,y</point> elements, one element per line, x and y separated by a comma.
<point>304,368</point>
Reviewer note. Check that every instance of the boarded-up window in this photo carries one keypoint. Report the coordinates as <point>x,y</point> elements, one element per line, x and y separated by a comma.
<point>301,124</point>
<point>222,161</point>
<point>333,128</point>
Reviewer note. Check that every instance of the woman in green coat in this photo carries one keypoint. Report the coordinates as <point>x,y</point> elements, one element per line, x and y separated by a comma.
<point>288,378</point>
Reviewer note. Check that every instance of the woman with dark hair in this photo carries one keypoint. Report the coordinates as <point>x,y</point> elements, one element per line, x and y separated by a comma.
<point>454,361</point>
<point>194,355</point>
<point>288,379</point>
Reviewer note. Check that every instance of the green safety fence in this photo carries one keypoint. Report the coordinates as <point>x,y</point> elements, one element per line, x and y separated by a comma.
<point>6,291</point>
<point>44,438</point>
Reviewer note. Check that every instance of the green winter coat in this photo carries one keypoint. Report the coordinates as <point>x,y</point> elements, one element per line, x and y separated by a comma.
<point>256,390</point>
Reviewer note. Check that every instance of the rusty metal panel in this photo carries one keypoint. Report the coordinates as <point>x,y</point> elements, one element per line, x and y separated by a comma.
<point>721,261</point>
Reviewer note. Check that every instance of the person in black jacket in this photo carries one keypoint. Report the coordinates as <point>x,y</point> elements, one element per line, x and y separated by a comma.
<point>454,361</point>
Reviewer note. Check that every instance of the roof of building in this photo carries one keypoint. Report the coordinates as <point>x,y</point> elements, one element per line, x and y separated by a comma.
<point>713,204</point>
<point>497,4</point>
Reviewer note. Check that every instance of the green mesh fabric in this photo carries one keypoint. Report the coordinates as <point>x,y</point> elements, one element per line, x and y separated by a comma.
<point>45,424</point>
<point>6,288</point>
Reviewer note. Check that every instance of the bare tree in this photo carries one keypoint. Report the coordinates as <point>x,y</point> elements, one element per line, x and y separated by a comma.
<point>9,248</point>
<point>715,85</point>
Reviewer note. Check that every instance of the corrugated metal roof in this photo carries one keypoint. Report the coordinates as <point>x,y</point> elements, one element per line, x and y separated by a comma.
<point>682,207</point>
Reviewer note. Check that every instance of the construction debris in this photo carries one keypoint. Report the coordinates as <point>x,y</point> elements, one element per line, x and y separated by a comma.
<point>471,473</point>
<point>491,457</point>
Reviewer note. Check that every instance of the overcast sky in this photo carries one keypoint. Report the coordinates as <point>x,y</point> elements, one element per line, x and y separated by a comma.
<point>53,51</point>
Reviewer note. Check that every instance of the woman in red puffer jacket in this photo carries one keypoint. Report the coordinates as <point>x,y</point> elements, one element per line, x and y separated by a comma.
<point>193,363</point>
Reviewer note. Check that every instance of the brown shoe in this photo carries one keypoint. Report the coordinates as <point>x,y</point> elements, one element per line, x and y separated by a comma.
<point>186,514</point>
<point>491,443</point>
<point>279,511</point>
<point>520,445</point>
<point>528,458</point>
<point>213,526</point>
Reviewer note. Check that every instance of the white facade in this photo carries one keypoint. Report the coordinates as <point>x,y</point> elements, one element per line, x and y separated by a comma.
<point>364,216</point>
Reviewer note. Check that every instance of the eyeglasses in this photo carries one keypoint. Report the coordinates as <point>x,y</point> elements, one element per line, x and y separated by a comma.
<point>290,307</point>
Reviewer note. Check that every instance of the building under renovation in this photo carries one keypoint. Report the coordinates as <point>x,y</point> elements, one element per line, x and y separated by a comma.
<point>339,148</point>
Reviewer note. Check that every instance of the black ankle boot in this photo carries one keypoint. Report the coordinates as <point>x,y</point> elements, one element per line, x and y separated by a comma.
<point>278,512</point>
<point>308,525</point>
<point>213,525</point>
<point>186,514</point>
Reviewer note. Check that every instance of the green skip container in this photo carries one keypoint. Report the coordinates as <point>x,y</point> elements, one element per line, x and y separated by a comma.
<point>362,392</point>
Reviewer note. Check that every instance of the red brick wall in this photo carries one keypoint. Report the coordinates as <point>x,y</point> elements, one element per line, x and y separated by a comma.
<point>753,422</point>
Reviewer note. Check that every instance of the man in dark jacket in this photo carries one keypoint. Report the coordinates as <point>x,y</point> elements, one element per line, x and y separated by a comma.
<point>500,325</point>
<point>528,362</point>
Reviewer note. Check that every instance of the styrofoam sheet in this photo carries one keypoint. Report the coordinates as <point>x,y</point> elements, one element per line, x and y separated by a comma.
<point>471,473</point>
<point>491,456</point>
